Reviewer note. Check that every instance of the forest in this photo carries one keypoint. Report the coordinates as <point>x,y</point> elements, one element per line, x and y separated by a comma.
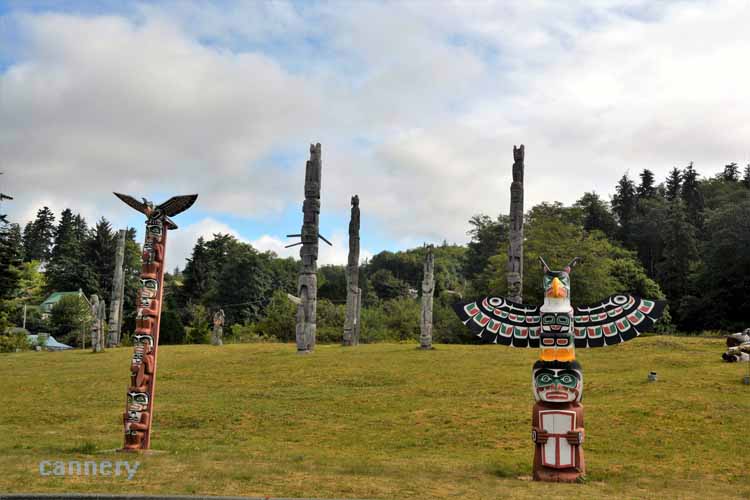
<point>685,239</point>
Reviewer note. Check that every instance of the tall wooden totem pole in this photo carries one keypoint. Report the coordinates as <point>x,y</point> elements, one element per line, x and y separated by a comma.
<point>118,282</point>
<point>307,285</point>
<point>515,251</point>
<point>139,408</point>
<point>353,292</point>
<point>428,289</point>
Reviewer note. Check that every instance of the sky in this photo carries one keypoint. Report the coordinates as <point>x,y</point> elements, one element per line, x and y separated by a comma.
<point>417,106</point>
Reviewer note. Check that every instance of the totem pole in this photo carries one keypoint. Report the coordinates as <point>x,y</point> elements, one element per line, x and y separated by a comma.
<point>515,250</point>
<point>307,285</point>
<point>98,312</point>
<point>115,320</point>
<point>218,331</point>
<point>557,328</point>
<point>353,292</point>
<point>428,288</point>
<point>139,409</point>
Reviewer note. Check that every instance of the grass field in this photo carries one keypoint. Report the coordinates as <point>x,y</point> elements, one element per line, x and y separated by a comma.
<point>379,421</point>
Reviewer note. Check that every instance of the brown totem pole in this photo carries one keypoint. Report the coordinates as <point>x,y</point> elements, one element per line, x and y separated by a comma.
<point>115,310</point>
<point>353,292</point>
<point>515,250</point>
<point>139,408</point>
<point>307,285</point>
<point>428,289</point>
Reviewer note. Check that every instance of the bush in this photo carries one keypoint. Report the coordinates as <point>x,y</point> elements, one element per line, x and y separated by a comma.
<point>248,334</point>
<point>199,331</point>
<point>279,322</point>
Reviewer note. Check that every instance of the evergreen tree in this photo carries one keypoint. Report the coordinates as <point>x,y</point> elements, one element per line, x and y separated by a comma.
<point>692,197</point>
<point>624,204</point>
<point>731,172</point>
<point>746,176</point>
<point>488,236</point>
<point>68,269</point>
<point>10,259</point>
<point>596,214</point>
<point>100,255</point>
<point>674,181</point>
<point>679,257</point>
<point>39,235</point>
<point>646,189</point>
<point>197,274</point>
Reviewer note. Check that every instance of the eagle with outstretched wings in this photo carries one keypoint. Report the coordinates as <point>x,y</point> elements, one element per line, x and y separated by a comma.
<point>556,326</point>
<point>170,208</point>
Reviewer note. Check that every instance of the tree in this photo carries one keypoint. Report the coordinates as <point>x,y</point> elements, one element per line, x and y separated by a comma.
<point>387,286</point>
<point>199,331</point>
<point>692,197</point>
<point>279,318</point>
<point>674,181</point>
<point>71,318</point>
<point>38,236</point>
<point>488,236</point>
<point>731,172</point>
<point>332,283</point>
<point>646,189</point>
<point>679,256</point>
<point>68,269</point>
<point>746,176</point>
<point>624,204</point>
<point>596,214</point>
<point>10,260</point>
<point>100,255</point>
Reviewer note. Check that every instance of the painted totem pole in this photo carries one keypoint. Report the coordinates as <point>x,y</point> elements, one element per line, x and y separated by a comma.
<point>515,249</point>
<point>139,409</point>
<point>218,330</point>
<point>557,328</point>
<point>353,292</point>
<point>115,311</point>
<point>428,289</point>
<point>307,285</point>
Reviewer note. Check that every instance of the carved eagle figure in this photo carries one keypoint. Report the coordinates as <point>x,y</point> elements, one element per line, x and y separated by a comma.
<point>170,208</point>
<point>557,327</point>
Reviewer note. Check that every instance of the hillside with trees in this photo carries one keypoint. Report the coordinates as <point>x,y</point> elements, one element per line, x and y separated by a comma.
<point>685,239</point>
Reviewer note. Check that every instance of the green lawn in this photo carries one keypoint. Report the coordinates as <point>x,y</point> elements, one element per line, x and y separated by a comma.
<point>380,421</point>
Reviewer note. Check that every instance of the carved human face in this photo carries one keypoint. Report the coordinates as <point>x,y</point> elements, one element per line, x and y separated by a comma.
<point>154,231</point>
<point>149,288</point>
<point>137,401</point>
<point>556,339</point>
<point>142,344</point>
<point>557,382</point>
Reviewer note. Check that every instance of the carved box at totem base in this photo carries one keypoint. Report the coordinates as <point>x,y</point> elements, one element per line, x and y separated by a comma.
<point>557,328</point>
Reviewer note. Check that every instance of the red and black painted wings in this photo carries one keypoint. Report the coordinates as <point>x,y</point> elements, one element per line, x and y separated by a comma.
<point>498,321</point>
<point>617,318</point>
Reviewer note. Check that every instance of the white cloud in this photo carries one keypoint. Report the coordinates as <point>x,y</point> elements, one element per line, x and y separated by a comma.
<point>336,254</point>
<point>417,109</point>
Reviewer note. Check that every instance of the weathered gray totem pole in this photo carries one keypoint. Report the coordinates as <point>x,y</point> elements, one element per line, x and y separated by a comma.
<point>353,292</point>
<point>115,306</point>
<point>307,285</point>
<point>428,289</point>
<point>139,408</point>
<point>515,251</point>
<point>218,331</point>
<point>98,325</point>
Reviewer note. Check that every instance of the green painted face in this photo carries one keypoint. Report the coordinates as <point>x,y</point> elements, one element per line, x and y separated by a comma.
<point>557,385</point>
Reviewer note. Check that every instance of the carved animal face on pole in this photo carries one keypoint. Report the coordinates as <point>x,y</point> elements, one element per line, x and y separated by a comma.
<point>557,382</point>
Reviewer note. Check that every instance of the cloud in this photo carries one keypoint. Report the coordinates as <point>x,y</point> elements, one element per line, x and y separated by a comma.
<point>417,109</point>
<point>337,254</point>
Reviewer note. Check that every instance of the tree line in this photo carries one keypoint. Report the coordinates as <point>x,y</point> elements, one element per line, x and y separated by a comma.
<point>685,239</point>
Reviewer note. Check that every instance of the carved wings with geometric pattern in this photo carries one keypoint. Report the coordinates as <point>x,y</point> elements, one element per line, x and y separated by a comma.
<point>618,318</point>
<point>498,321</point>
<point>177,204</point>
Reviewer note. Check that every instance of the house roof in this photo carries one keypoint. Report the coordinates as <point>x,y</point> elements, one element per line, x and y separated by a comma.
<point>54,298</point>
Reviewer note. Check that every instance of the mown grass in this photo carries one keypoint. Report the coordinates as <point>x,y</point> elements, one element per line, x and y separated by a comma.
<point>379,421</point>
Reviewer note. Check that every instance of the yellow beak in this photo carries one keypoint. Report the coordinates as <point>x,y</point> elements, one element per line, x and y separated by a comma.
<point>557,290</point>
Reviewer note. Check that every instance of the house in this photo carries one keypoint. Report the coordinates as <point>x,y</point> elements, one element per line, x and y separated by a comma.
<point>46,306</point>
